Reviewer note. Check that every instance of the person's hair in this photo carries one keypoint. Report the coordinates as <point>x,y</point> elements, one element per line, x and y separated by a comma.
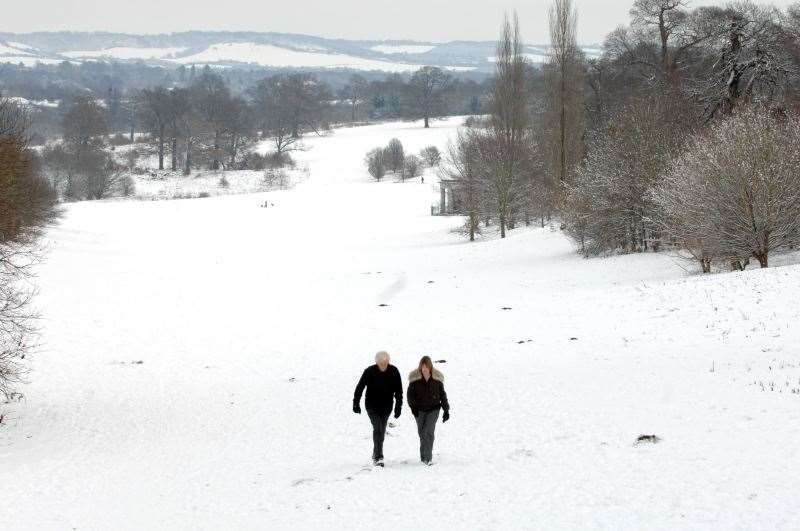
<point>426,361</point>
<point>382,355</point>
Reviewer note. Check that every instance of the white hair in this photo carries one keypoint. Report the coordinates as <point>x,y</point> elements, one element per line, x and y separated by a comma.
<point>382,356</point>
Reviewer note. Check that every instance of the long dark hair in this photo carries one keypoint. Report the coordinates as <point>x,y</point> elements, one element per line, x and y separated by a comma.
<point>426,361</point>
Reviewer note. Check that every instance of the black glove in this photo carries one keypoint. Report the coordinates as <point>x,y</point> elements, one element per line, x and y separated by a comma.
<point>446,416</point>
<point>356,409</point>
<point>414,412</point>
<point>397,412</point>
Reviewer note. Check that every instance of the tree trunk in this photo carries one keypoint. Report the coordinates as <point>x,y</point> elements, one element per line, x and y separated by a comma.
<point>174,154</point>
<point>427,123</point>
<point>472,223</point>
<point>763,259</point>
<point>215,163</point>
<point>187,169</point>
<point>563,139</point>
<point>161,151</point>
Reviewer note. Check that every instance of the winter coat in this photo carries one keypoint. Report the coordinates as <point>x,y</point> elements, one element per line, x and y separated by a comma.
<point>382,388</point>
<point>426,396</point>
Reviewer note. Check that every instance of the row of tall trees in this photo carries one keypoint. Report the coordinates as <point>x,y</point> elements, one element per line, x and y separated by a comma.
<point>616,146</point>
<point>430,92</point>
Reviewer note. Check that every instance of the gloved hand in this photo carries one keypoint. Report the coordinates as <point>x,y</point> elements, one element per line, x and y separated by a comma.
<point>446,416</point>
<point>356,409</point>
<point>397,412</point>
<point>414,412</point>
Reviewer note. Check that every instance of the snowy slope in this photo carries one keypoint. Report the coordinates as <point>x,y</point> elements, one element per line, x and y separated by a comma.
<point>266,49</point>
<point>275,56</point>
<point>252,326</point>
<point>126,53</point>
<point>9,49</point>
<point>402,49</point>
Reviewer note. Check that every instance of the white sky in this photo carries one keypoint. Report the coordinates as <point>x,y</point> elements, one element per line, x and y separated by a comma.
<point>435,20</point>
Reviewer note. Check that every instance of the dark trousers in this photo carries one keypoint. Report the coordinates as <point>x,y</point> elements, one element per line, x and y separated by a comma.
<point>426,425</point>
<point>379,421</point>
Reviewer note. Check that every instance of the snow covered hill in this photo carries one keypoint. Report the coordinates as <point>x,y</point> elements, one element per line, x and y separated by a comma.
<point>273,50</point>
<point>200,357</point>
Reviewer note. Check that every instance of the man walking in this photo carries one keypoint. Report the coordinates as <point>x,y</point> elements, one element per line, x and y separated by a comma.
<point>383,384</point>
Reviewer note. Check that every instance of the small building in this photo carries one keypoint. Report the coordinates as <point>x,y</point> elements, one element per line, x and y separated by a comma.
<point>448,203</point>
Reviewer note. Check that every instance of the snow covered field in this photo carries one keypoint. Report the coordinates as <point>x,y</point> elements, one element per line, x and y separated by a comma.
<point>279,57</point>
<point>200,358</point>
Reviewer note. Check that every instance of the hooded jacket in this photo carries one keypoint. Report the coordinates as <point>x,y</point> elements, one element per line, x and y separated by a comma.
<point>426,396</point>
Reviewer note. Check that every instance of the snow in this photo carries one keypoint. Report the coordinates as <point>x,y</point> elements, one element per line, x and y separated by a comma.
<point>169,185</point>
<point>21,46</point>
<point>28,60</point>
<point>253,325</point>
<point>394,49</point>
<point>278,57</point>
<point>535,58</point>
<point>126,53</point>
<point>10,49</point>
<point>41,103</point>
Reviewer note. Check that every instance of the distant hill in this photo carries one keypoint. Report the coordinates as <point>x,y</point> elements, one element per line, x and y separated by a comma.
<point>243,49</point>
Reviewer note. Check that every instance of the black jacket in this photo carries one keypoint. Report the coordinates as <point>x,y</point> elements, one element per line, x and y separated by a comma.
<point>382,387</point>
<point>427,396</point>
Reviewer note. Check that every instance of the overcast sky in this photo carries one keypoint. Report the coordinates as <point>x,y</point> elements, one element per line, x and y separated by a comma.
<point>434,20</point>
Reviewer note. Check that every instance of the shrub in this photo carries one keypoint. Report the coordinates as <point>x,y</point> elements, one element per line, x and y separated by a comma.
<point>375,162</point>
<point>394,156</point>
<point>735,193</point>
<point>431,156</point>
<point>127,186</point>
<point>119,140</point>
<point>413,167</point>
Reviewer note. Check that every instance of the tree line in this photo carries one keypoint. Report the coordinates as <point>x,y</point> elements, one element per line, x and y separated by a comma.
<point>680,136</point>
<point>27,205</point>
<point>205,123</point>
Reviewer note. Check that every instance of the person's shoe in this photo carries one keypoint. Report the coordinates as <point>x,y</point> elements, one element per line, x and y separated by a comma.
<point>378,462</point>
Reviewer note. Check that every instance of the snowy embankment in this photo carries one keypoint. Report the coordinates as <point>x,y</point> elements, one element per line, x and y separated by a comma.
<point>200,358</point>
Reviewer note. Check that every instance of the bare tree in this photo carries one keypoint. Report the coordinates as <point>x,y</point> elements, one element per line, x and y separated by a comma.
<point>566,86</point>
<point>609,205</point>
<point>375,163</point>
<point>427,87</point>
<point>509,124</point>
<point>27,204</point>
<point>412,168</point>
<point>158,115</point>
<point>394,156</point>
<point>464,167</point>
<point>84,124</point>
<point>753,60</point>
<point>289,105</point>
<point>735,193</point>
<point>431,156</point>
<point>354,93</point>
<point>211,102</point>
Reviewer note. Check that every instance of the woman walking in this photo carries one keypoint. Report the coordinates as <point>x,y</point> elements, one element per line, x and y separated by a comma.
<point>426,396</point>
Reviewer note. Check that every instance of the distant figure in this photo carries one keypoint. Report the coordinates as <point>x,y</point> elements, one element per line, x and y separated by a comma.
<point>426,396</point>
<point>384,385</point>
<point>423,180</point>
